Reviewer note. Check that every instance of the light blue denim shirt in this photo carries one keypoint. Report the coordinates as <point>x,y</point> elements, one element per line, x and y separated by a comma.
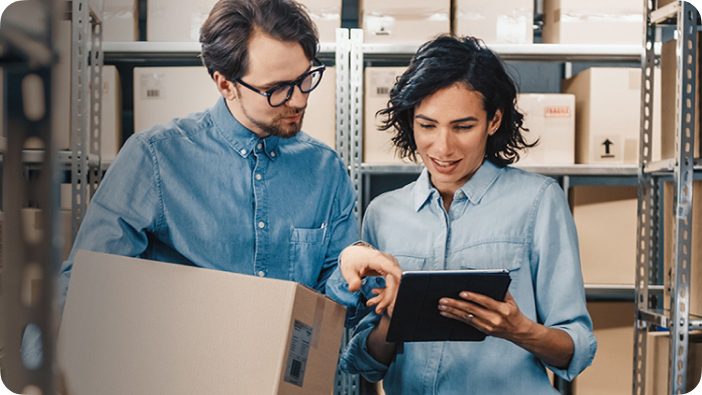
<point>205,191</point>
<point>501,218</point>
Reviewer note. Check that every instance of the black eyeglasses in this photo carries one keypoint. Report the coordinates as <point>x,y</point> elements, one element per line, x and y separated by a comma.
<point>280,94</point>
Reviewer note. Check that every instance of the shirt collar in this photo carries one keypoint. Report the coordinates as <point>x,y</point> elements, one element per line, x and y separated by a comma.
<point>238,136</point>
<point>474,189</point>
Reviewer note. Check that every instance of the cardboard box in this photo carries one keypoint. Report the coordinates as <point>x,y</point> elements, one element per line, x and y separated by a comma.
<point>326,14</point>
<point>593,22</point>
<point>132,326</point>
<point>180,20</point>
<point>668,99</point>
<point>377,146</point>
<point>176,20</point>
<point>111,117</point>
<point>657,353</point>
<point>608,115</point>
<point>320,116</point>
<point>605,217</point>
<point>695,279</point>
<point>550,118</point>
<point>611,370</point>
<point>410,22</point>
<point>504,22</point>
<point>164,93</point>
<point>120,20</point>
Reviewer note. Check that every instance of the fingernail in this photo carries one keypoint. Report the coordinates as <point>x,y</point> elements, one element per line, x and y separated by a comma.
<point>464,294</point>
<point>442,307</point>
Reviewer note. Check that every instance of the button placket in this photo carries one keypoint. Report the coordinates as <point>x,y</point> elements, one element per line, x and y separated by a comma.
<point>261,226</point>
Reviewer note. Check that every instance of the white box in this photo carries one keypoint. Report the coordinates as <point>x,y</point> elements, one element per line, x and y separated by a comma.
<point>503,22</point>
<point>593,22</point>
<point>326,14</point>
<point>320,116</point>
<point>133,326</point>
<point>111,118</point>
<point>550,118</point>
<point>408,22</point>
<point>164,93</point>
<point>608,115</point>
<point>377,146</point>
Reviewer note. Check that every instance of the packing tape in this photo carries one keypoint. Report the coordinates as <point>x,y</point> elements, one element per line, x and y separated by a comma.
<point>317,324</point>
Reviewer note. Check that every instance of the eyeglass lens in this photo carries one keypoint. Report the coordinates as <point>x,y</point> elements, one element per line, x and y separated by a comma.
<point>284,92</point>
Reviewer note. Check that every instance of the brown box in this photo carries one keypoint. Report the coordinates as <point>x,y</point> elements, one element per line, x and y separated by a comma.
<point>503,22</point>
<point>593,22</point>
<point>408,22</point>
<point>695,279</point>
<point>320,116</point>
<point>608,115</point>
<point>605,217</point>
<point>611,370</point>
<point>657,353</point>
<point>668,118</point>
<point>326,14</point>
<point>550,118</point>
<point>133,326</point>
<point>377,146</point>
<point>120,20</point>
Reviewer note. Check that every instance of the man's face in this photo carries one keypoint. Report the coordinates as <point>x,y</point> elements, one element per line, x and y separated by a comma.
<point>271,62</point>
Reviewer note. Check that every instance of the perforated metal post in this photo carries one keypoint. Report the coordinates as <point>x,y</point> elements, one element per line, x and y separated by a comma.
<point>95,111</point>
<point>343,96</point>
<point>647,231</point>
<point>28,286</point>
<point>356,80</point>
<point>686,59</point>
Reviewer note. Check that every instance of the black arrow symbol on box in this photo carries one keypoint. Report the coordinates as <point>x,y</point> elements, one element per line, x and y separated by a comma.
<point>607,143</point>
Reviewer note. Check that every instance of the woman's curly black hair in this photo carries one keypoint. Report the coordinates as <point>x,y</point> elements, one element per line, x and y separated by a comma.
<point>441,63</point>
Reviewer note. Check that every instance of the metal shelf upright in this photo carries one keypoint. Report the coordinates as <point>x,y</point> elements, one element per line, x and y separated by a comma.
<point>683,167</point>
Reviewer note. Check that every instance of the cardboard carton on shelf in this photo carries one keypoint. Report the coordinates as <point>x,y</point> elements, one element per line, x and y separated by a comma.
<point>611,370</point>
<point>605,217</point>
<point>608,115</point>
<point>144,327</point>
<point>657,353</point>
<point>504,22</point>
<point>164,93</point>
<point>695,278</point>
<point>409,22</point>
<point>594,22</point>
<point>550,118</point>
<point>120,20</point>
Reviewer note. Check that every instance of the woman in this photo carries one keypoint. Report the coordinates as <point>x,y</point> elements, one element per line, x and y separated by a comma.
<point>455,106</point>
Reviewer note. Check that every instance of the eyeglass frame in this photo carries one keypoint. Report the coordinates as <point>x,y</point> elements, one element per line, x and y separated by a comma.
<point>291,84</point>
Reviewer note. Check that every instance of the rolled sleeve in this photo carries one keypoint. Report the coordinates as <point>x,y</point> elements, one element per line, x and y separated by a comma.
<point>585,345</point>
<point>355,359</point>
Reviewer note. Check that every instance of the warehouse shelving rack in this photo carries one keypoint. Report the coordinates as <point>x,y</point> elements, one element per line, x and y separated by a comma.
<point>683,168</point>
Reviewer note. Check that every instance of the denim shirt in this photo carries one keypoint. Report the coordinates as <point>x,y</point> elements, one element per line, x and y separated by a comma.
<point>205,191</point>
<point>501,218</point>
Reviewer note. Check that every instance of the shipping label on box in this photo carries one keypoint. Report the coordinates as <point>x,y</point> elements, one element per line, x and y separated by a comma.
<point>217,332</point>
<point>605,217</point>
<point>377,144</point>
<point>550,118</point>
<point>411,23</point>
<point>504,22</point>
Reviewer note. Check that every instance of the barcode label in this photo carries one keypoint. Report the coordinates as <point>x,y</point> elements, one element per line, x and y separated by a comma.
<point>297,354</point>
<point>382,90</point>
<point>153,86</point>
<point>153,93</point>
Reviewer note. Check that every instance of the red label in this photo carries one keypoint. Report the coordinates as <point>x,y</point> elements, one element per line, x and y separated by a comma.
<point>557,111</point>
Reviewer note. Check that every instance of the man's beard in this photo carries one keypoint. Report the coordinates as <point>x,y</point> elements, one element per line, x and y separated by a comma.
<point>279,127</point>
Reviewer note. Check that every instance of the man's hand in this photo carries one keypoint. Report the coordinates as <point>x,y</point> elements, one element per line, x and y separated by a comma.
<point>358,261</point>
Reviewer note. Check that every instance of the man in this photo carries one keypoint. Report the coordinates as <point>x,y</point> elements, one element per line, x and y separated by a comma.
<point>237,187</point>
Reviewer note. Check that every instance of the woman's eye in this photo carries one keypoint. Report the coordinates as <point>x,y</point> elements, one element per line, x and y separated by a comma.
<point>464,127</point>
<point>426,125</point>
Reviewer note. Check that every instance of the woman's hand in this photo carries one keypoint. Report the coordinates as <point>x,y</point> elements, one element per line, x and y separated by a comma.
<point>359,261</point>
<point>494,318</point>
<point>504,320</point>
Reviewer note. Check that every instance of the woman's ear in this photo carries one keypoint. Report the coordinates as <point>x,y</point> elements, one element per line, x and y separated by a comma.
<point>226,88</point>
<point>495,122</point>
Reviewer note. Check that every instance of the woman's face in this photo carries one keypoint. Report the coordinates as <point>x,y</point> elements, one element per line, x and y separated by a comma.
<point>451,130</point>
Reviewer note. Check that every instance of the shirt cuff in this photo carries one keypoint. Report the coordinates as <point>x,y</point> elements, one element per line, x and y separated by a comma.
<point>356,359</point>
<point>584,348</point>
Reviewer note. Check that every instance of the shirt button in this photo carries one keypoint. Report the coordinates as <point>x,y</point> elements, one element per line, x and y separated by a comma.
<point>261,273</point>
<point>259,146</point>
<point>261,225</point>
<point>461,195</point>
<point>272,153</point>
<point>258,176</point>
<point>243,151</point>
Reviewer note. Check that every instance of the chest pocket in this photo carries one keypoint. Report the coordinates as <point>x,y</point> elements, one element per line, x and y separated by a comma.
<point>491,254</point>
<point>306,255</point>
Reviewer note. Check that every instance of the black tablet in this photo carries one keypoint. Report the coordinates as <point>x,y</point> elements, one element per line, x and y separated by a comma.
<point>416,315</point>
